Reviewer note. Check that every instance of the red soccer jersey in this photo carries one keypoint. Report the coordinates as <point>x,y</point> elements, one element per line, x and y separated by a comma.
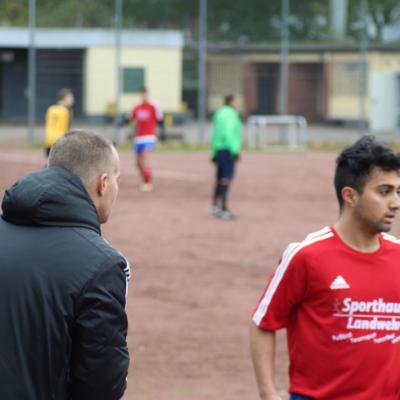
<point>146,115</point>
<point>341,309</point>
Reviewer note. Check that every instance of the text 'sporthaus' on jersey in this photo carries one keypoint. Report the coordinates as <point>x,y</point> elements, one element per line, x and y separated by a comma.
<point>371,315</point>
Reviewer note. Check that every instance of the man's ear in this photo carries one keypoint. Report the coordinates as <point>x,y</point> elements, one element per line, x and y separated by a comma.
<point>102,183</point>
<point>350,196</point>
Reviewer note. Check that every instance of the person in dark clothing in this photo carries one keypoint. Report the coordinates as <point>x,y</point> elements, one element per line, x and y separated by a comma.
<point>63,288</point>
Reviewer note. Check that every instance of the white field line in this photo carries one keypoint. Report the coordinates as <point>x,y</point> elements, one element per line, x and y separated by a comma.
<point>164,174</point>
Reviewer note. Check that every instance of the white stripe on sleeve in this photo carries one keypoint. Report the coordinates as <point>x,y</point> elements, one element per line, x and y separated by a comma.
<point>288,255</point>
<point>128,275</point>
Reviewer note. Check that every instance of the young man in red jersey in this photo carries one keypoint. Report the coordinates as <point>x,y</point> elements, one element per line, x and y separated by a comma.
<point>338,292</point>
<point>146,116</point>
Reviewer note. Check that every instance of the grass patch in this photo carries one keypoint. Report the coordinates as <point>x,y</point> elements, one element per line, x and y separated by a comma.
<point>273,147</point>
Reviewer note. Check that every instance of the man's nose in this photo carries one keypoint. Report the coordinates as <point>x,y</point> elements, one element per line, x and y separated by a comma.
<point>395,203</point>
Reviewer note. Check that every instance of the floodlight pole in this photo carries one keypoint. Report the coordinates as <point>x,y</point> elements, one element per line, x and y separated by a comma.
<point>363,66</point>
<point>31,71</point>
<point>118,73</point>
<point>284,72</point>
<point>202,69</point>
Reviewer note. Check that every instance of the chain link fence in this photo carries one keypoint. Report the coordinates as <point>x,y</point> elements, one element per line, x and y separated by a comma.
<point>335,63</point>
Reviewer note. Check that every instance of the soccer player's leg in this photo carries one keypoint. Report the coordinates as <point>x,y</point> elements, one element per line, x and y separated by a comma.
<point>138,150</point>
<point>146,167</point>
<point>216,208</point>
<point>225,182</point>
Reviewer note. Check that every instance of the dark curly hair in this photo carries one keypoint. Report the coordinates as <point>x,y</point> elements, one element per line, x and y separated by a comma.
<point>355,164</point>
<point>228,99</point>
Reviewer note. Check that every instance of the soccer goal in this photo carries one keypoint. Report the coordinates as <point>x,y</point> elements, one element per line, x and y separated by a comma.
<point>289,131</point>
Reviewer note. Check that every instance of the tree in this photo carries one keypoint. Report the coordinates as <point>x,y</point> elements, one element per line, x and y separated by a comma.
<point>241,21</point>
<point>309,20</point>
<point>381,13</point>
<point>75,13</point>
<point>14,13</point>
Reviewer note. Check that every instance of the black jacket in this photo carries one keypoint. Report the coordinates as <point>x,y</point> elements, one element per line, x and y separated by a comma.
<point>62,295</point>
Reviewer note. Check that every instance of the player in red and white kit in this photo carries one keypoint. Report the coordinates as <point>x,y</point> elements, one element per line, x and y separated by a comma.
<point>338,292</point>
<point>146,116</point>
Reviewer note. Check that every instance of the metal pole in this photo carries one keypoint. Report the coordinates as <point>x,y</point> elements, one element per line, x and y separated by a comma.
<point>338,17</point>
<point>118,72</point>
<point>363,124</point>
<point>284,73</point>
<point>201,107</point>
<point>31,71</point>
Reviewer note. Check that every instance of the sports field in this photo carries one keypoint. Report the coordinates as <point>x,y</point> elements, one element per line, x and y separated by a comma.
<point>196,279</point>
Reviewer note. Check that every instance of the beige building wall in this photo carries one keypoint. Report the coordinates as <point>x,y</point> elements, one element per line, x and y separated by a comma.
<point>385,62</point>
<point>224,77</point>
<point>343,81</point>
<point>345,87</point>
<point>163,78</point>
<point>344,96</point>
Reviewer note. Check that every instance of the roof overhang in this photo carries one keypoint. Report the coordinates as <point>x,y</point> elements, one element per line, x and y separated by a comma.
<point>84,38</point>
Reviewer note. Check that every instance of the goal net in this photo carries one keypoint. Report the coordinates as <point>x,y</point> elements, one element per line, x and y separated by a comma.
<point>284,131</point>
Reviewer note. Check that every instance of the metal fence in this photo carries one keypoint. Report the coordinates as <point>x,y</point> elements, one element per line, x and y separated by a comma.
<point>332,62</point>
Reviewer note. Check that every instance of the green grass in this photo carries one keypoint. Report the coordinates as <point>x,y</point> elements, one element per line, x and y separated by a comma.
<point>180,146</point>
<point>274,147</point>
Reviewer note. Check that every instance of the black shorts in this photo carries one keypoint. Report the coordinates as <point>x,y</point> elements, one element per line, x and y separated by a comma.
<point>225,165</point>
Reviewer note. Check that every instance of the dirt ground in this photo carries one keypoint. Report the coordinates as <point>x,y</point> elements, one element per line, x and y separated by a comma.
<point>196,279</point>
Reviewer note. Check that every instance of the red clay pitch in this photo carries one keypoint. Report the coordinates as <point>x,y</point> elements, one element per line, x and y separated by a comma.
<point>196,279</point>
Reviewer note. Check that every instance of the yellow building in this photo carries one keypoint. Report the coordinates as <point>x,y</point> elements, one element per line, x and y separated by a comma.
<point>152,59</point>
<point>85,60</point>
<point>325,83</point>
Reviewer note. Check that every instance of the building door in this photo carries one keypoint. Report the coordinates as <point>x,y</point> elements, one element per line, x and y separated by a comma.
<point>57,69</point>
<point>305,91</point>
<point>266,89</point>
<point>13,76</point>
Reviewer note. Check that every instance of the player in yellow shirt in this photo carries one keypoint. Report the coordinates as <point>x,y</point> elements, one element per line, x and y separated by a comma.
<point>58,118</point>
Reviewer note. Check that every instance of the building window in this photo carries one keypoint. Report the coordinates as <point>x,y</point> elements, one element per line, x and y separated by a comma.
<point>133,79</point>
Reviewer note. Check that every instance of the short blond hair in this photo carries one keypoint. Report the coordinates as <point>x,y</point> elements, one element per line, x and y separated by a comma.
<point>84,153</point>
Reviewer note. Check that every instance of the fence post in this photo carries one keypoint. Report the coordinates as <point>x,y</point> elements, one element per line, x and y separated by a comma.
<point>32,72</point>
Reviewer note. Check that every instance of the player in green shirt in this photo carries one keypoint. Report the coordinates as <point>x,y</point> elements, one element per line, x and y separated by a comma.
<point>225,151</point>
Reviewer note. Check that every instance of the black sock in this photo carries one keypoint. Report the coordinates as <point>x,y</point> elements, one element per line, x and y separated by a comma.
<point>224,196</point>
<point>217,194</point>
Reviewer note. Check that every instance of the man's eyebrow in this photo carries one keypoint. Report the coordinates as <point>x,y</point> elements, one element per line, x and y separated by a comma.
<point>386,185</point>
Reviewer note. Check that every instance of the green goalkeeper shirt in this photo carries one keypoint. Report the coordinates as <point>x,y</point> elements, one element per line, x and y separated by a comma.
<point>226,131</point>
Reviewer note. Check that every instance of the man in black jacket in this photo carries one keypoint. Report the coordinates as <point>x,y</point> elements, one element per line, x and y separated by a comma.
<point>62,287</point>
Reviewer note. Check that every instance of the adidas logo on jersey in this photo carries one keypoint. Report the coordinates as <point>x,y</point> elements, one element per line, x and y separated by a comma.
<point>339,283</point>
